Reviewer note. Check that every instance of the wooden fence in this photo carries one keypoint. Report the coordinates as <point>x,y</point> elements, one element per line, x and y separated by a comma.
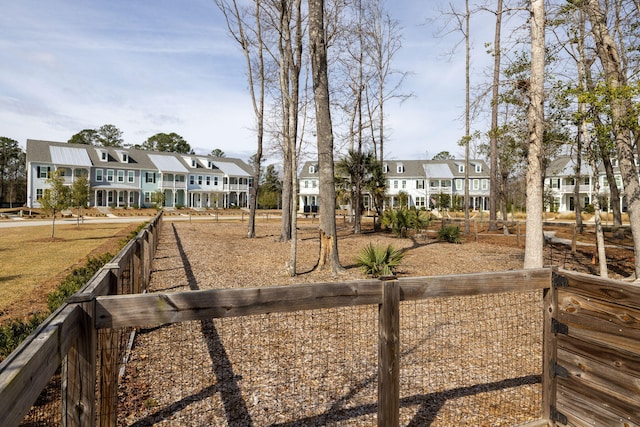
<point>67,341</point>
<point>593,357</point>
<point>591,336</point>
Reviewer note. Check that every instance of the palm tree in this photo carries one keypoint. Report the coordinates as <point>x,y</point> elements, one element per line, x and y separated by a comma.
<point>356,167</point>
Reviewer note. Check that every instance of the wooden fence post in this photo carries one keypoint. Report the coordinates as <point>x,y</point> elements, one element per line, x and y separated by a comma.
<point>389,354</point>
<point>108,353</point>
<point>549,347</point>
<point>79,369</point>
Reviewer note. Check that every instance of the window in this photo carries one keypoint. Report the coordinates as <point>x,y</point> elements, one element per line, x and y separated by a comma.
<point>420,201</point>
<point>120,176</point>
<point>459,184</point>
<point>110,197</point>
<point>99,175</point>
<point>314,183</point>
<point>461,168</point>
<point>208,180</point>
<point>43,172</point>
<point>478,168</point>
<point>400,169</point>
<point>192,179</point>
<point>125,158</point>
<point>209,164</point>
<point>445,183</point>
<point>306,184</point>
<point>132,198</point>
<point>569,181</point>
<point>420,184</point>
<point>147,197</point>
<point>404,184</point>
<point>131,176</point>
<point>554,183</point>
<point>434,184</point>
<point>38,193</point>
<point>312,169</point>
<point>395,183</point>
<point>476,184</point>
<point>586,181</point>
<point>103,156</point>
<point>199,179</point>
<point>110,173</point>
<point>193,163</point>
<point>485,184</point>
<point>215,180</point>
<point>385,168</point>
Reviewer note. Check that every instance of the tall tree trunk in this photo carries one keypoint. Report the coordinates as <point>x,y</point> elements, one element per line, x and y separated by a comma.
<point>318,50</point>
<point>293,52</point>
<point>467,118</point>
<point>533,254</point>
<point>493,137</point>
<point>616,81</point>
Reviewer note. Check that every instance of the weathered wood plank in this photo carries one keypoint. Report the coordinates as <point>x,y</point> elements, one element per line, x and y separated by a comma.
<point>623,362</point>
<point>599,376</point>
<point>157,309</point>
<point>416,288</point>
<point>600,322</point>
<point>25,373</point>
<point>389,355</point>
<point>624,293</point>
<point>584,406</point>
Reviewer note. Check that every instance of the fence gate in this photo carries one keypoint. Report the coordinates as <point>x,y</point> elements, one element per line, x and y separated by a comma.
<point>592,352</point>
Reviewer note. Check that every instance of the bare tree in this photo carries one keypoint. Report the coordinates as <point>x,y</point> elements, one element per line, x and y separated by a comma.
<point>253,49</point>
<point>318,50</point>
<point>493,151</point>
<point>610,57</point>
<point>533,255</point>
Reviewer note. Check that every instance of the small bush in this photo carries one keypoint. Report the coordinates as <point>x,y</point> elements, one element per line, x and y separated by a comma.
<point>401,220</point>
<point>378,261</point>
<point>450,233</point>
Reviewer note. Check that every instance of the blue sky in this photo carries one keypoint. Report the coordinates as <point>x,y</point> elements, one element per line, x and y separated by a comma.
<point>169,66</point>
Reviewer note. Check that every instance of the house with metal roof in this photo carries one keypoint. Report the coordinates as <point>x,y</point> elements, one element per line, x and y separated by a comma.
<point>420,182</point>
<point>120,177</point>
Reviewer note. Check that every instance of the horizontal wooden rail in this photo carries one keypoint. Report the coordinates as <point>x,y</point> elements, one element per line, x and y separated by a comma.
<point>28,370</point>
<point>160,308</point>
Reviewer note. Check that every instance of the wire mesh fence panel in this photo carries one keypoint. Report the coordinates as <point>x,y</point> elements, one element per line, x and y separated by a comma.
<point>46,410</point>
<point>472,360</point>
<point>306,368</point>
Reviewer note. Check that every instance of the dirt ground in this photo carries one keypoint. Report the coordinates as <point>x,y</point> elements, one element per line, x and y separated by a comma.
<point>471,253</point>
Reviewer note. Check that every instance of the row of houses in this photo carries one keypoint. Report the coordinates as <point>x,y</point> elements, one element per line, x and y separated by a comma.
<point>120,177</point>
<point>418,183</point>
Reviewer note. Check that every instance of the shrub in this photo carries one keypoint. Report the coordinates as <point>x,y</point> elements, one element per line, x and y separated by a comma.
<point>450,233</point>
<point>378,261</point>
<point>401,220</point>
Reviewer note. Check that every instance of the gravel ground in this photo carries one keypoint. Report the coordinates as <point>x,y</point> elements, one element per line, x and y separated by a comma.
<point>465,361</point>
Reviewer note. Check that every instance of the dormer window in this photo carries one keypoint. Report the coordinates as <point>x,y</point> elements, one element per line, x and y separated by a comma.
<point>400,169</point>
<point>478,168</point>
<point>193,163</point>
<point>461,168</point>
<point>209,165</point>
<point>125,158</point>
<point>103,156</point>
<point>385,168</point>
<point>312,169</point>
